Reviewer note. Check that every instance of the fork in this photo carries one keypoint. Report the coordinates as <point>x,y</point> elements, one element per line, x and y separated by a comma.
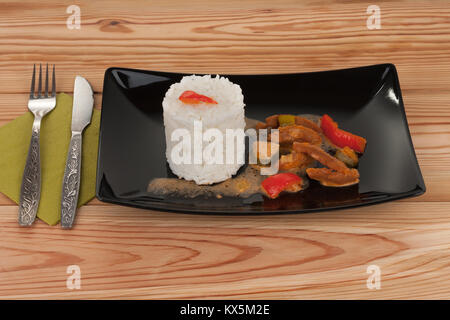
<point>30,190</point>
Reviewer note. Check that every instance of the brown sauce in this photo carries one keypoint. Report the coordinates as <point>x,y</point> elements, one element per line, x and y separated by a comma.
<point>244,185</point>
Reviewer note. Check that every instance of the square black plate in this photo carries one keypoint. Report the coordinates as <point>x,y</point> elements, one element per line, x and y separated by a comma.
<point>366,101</point>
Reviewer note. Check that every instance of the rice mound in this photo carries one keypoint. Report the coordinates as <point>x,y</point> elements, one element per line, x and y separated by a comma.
<point>227,114</point>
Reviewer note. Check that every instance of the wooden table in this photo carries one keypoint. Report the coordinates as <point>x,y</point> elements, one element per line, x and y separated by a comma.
<point>130,253</point>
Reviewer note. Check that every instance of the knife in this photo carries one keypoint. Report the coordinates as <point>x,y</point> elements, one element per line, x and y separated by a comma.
<point>83,102</point>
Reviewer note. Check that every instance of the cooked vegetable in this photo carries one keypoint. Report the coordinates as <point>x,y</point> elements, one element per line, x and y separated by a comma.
<point>272,121</point>
<point>286,120</point>
<point>307,123</point>
<point>320,155</point>
<point>285,181</point>
<point>337,174</point>
<point>289,134</point>
<point>192,97</point>
<point>261,125</point>
<point>340,137</point>
<point>347,156</point>
<point>293,160</point>
<point>333,178</point>
<point>300,143</point>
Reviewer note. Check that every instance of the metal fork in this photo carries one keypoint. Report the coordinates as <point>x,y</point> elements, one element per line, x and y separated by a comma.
<point>30,190</point>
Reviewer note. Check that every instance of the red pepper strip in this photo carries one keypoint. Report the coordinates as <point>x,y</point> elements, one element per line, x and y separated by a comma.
<point>275,184</point>
<point>340,137</point>
<point>192,97</point>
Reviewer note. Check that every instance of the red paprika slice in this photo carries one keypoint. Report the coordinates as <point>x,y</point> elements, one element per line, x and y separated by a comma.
<point>340,137</point>
<point>275,184</point>
<point>192,97</point>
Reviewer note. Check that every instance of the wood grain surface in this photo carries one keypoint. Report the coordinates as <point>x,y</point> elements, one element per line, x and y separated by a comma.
<point>131,253</point>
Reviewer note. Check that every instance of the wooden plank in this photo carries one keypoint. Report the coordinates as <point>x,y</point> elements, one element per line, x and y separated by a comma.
<point>239,37</point>
<point>132,253</point>
<point>13,105</point>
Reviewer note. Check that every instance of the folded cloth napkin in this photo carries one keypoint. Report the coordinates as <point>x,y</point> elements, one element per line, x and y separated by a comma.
<point>54,140</point>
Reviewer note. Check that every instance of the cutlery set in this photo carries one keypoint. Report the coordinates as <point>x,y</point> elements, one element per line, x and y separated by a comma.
<point>40,105</point>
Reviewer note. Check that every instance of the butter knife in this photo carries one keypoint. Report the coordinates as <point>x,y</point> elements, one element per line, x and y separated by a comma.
<point>83,102</point>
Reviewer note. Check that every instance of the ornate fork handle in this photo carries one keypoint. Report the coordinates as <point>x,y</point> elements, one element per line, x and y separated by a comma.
<point>71,182</point>
<point>30,190</point>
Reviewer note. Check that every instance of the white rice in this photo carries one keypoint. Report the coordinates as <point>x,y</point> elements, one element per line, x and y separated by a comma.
<point>227,114</point>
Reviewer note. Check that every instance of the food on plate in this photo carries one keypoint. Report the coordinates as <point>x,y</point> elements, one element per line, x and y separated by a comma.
<point>337,174</point>
<point>303,141</point>
<point>286,120</point>
<point>281,120</point>
<point>333,178</point>
<point>191,97</point>
<point>291,133</point>
<point>320,155</point>
<point>308,124</point>
<point>294,160</point>
<point>212,103</point>
<point>347,156</point>
<point>306,148</point>
<point>280,182</point>
<point>340,137</point>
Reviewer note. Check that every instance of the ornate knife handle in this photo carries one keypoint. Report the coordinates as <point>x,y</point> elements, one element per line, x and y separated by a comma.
<point>30,191</point>
<point>71,182</point>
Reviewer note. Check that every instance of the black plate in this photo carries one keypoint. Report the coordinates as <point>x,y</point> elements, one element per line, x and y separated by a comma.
<point>366,101</point>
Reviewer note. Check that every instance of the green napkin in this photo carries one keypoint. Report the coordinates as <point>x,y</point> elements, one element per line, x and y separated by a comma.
<point>55,137</point>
